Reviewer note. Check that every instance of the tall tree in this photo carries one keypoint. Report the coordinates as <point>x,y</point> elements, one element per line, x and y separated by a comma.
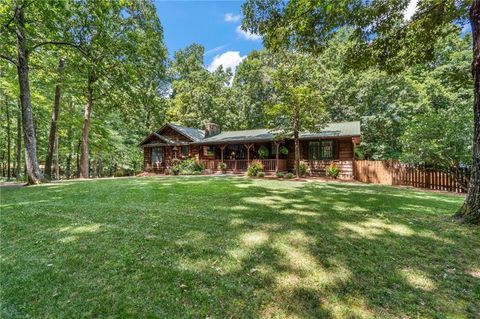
<point>52,137</point>
<point>26,27</point>
<point>299,106</point>
<point>198,96</point>
<point>381,34</point>
<point>106,35</point>
<point>252,90</point>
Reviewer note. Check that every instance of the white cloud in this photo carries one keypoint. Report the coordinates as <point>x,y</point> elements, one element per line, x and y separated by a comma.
<point>247,35</point>
<point>229,59</point>
<point>412,7</point>
<point>230,17</point>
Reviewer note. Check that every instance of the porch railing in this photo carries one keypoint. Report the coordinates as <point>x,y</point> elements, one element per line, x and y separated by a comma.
<point>242,165</point>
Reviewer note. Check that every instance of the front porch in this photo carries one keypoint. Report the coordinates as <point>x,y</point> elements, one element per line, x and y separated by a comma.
<point>269,165</point>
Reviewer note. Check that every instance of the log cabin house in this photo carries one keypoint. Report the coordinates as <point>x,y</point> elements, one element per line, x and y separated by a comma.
<point>334,144</point>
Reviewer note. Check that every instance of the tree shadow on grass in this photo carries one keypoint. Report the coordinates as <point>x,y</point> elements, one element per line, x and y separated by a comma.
<point>196,247</point>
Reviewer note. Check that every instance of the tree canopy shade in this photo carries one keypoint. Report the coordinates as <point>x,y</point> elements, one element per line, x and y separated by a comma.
<point>380,34</point>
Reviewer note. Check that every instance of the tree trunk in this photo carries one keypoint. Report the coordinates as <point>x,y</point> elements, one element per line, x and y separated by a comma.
<point>470,211</point>
<point>3,163</point>
<point>53,123</point>
<point>18,147</point>
<point>57,159</point>
<point>9,141</point>
<point>297,153</point>
<point>84,163</point>
<point>296,129</point>
<point>78,158</point>
<point>276,144</point>
<point>30,141</point>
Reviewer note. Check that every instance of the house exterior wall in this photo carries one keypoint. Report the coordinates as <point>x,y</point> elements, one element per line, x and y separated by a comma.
<point>343,154</point>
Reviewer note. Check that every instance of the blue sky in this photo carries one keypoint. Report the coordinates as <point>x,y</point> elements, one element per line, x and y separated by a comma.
<point>213,24</point>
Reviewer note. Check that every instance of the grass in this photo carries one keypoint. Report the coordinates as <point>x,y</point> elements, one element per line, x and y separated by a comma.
<point>197,247</point>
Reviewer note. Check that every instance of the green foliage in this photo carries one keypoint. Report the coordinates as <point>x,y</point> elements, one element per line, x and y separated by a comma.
<point>222,166</point>
<point>185,167</point>
<point>283,150</point>
<point>303,169</point>
<point>198,96</point>
<point>280,174</point>
<point>289,175</point>
<point>174,170</point>
<point>380,34</point>
<point>261,174</point>
<point>332,170</point>
<point>263,152</point>
<point>254,168</point>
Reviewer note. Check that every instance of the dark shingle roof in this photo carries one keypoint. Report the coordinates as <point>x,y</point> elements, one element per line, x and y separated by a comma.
<point>245,135</point>
<point>346,129</point>
<point>332,129</point>
<point>194,133</point>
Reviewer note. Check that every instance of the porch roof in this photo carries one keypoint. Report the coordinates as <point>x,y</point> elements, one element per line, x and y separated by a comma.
<point>344,129</point>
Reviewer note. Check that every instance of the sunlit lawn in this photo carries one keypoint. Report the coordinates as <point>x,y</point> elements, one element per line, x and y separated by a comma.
<point>197,247</point>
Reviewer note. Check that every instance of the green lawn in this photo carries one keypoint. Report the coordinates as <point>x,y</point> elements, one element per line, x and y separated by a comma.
<point>197,247</point>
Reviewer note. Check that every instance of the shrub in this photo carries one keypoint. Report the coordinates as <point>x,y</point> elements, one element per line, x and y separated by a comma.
<point>175,170</point>
<point>167,171</point>
<point>289,175</point>
<point>175,161</point>
<point>186,167</point>
<point>263,152</point>
<point>303,169</point>
<point>254,168</point>
<point>197,173</point>
<point>222,167</point>
<point>261,174</point>
<point>280,174</point>
<point>333,170</point>
<point>283,150</point>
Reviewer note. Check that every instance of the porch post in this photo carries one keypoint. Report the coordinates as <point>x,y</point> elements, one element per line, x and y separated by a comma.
<point>276,155</point>
<point>248,146</point>
<point>222,147</point>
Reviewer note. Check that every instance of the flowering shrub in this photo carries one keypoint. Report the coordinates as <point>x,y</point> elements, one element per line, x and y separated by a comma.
<point>254,168</point>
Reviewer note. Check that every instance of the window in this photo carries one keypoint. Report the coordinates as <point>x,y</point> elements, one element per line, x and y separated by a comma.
<point>209,150</point>
<point>320,150</point>
<point>314,151</point>
<point>157,155</point>
<point>327,149</point>
<point>184,150</point>
<point>235,151</point>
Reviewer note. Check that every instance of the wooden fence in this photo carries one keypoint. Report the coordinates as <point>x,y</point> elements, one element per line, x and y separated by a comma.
<point>395,173</point>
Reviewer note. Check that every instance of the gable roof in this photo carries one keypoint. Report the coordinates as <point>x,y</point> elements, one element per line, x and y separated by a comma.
<point>194,134</point>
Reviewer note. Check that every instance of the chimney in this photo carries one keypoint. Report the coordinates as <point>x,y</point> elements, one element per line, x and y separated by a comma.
<point>211,129</point>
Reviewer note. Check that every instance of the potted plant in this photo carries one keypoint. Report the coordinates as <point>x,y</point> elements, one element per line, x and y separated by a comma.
<point>263,152</point>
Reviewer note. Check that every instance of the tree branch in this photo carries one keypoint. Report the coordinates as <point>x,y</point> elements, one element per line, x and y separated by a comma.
<point>73,45</point>
<point>9,59</point>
